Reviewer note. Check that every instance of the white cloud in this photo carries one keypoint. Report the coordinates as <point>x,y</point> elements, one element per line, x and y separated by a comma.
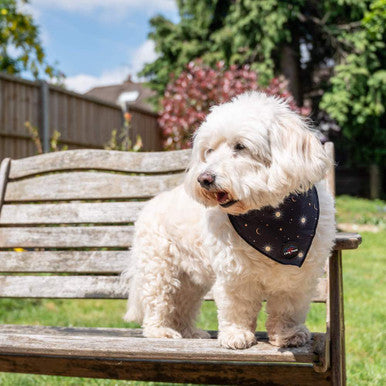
<point>84,82</point>
<point>144,54</point>
<point>28,8</point>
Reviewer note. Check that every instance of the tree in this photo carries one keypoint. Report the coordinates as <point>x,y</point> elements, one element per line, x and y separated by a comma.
<point>268,35</point>
<point>20,45</point>
<point>331,47</point>
<point>188,98</point>
<point>357,95</point>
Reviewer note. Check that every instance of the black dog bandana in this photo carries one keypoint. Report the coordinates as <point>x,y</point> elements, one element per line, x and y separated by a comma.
<point>285,233</point>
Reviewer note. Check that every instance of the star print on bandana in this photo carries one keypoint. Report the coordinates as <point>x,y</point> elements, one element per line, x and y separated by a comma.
<point>285,233</point>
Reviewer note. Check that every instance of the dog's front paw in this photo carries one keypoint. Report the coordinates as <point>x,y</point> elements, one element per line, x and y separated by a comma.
<point>161,332</point>
<point>236,339</point>
<point>294,337</point>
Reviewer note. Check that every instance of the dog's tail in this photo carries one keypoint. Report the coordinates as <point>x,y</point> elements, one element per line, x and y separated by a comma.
<point>130,279</point>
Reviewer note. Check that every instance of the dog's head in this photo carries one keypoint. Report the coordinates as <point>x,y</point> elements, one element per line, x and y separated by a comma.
<point>253,152</point>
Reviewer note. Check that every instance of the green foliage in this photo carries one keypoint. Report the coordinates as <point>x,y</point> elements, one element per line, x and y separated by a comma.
<point>270,35</point>
<point>235,32</point>
<point>250,32</point>
<point>356,98</point>
<point>20,45</point>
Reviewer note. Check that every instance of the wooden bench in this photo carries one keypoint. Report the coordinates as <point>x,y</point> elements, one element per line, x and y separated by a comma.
<point>72,213</point>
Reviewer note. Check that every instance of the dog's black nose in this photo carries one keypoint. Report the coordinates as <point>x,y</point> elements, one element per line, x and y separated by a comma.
<point>206,179</point>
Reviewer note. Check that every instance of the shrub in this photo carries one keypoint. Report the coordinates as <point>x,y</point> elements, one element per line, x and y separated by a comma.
<point>189,97</point>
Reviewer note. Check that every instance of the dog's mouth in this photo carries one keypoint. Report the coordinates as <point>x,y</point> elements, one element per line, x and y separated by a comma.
<point>224,199</point>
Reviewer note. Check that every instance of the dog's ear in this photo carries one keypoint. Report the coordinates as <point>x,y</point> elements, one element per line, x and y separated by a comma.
<point>192,171</point>
<point>298,157</point>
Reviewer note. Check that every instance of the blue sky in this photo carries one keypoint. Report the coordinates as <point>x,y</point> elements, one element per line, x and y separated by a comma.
<point>98,42</point>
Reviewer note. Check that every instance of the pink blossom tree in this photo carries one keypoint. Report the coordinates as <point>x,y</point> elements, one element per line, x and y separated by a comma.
<point>187,99</point>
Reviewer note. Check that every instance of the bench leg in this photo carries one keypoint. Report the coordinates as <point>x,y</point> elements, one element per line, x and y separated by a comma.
<point>338,360</point>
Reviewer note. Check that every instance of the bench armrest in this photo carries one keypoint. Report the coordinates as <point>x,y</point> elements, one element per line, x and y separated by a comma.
<point>347,241</point>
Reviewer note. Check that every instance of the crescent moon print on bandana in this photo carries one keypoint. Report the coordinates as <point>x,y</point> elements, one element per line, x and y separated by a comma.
<point>285,233</point>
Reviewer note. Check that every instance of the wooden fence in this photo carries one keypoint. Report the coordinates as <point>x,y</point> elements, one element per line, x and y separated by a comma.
<point>83,121</point>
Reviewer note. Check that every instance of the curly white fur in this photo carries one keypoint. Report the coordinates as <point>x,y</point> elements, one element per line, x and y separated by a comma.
<point>184,243</point>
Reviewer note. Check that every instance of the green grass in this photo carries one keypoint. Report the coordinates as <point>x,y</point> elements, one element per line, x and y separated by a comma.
<point>360,211</point>
<point>365,311</point>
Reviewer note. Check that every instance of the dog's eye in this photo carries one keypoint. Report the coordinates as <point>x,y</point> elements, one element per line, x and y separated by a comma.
<point>239,147</point>
<point>208,151</point>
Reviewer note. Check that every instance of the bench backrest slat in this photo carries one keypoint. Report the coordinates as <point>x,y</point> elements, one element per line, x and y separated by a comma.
<point>71,213</point>
<point>66,237</point>
<point>88,186</point>
<point>88,287</point>
<point>85,262</point>
<point>75,287</point>
<point>120,161</point>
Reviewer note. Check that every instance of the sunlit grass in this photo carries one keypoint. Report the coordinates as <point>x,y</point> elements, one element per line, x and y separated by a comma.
<point>360,211</point>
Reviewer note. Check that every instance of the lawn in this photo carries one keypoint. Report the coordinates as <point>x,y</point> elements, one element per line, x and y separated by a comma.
<point>364,294</point>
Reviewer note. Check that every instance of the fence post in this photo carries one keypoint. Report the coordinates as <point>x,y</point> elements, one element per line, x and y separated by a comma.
<point>375,181</point>
<point>44,116</point>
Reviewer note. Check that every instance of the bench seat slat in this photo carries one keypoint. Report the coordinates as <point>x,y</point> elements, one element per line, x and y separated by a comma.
<point>89,186</point>
<point>71,213</point>
<point>85,287</point>
<point>115,343</point>
<point>66,236</point>
<point>101,262</point>
<point>154,162</point>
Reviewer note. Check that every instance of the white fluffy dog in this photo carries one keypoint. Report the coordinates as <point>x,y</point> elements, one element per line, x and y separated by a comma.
<point>249,154</point>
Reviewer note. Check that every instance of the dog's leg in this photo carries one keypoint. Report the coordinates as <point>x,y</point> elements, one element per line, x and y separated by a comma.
<point>158,320</point>
<point>158,298</point>
<point>172,312</point>
<point>237,313</point>
<point>188,305</point>
<point>287,313</point>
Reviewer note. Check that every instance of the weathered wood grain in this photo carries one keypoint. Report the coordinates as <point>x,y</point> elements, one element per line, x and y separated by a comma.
<point>154,162</point>
<point>71,287</point>
<point>321,291</point>
<point>4,170</point>
<point>347,241</point>
<point>71,213</point>
<point>102,345</point>
<point>330,178</point>
<point>336,315</point>
<point>89,287</point>
<point>216,373</point>
<point>100,262</point>
<point>89,185</point>
<point>323,365</point>
<point>96,236</point>
<point>83,331</point>
<point>320,295</point>
<point>66,237</point>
